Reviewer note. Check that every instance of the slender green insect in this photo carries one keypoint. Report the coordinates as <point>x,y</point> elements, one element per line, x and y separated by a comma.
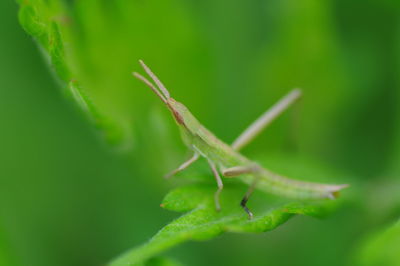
<point>227,160</point>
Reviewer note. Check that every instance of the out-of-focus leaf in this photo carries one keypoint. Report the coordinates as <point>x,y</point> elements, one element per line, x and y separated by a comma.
<point>252,54</point>
<point>6,258</point>
<point>48,22</point>
<point>202,222</point>
<point>93,46</point>
<point>161,261</point>
<point>382,248</point>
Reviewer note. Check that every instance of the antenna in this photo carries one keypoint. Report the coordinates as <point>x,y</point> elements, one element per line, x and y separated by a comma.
<point>150,85</point>
<point>155,79</point>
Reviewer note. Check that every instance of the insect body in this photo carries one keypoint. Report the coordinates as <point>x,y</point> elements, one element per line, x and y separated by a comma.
<point>227,160</point>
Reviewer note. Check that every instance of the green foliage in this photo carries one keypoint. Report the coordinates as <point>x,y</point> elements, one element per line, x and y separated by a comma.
<point>217,56</point>
<point>89,69</point>
<point>202,222</point>
<point>87,44</point>
<point>161,261</point>
<point>6,256</point>
<point>48,23</point>
<point>382,248</point>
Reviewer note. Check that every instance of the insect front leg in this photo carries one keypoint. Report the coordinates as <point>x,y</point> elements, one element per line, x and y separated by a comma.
<point>183,166</point>
<point>219,183</point>
<point>240,170</point>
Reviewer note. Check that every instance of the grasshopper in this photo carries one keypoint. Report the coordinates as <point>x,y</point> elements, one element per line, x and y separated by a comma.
<point>226,160</point>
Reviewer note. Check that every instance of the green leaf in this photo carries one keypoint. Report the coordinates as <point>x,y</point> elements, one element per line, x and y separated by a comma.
<point>382,248</point>
<point>48,22</point>
<point>161,261</point>
<point>202,222</point>
<point>6,255</point>
<point>93,46</point>
<point>199,55</point>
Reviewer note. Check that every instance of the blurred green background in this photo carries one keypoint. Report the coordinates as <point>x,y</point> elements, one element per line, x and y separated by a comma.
<point>71,194</point>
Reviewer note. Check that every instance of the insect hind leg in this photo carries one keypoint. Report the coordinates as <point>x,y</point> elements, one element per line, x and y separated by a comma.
<point>246,197</point>
<point>240,170</point>
<point>265,119</point>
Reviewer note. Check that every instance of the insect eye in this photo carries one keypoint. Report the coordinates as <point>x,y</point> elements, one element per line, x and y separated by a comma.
<point>178,117</point>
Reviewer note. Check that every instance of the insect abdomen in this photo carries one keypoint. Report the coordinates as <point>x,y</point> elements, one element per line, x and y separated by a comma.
<point>295,189</point>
